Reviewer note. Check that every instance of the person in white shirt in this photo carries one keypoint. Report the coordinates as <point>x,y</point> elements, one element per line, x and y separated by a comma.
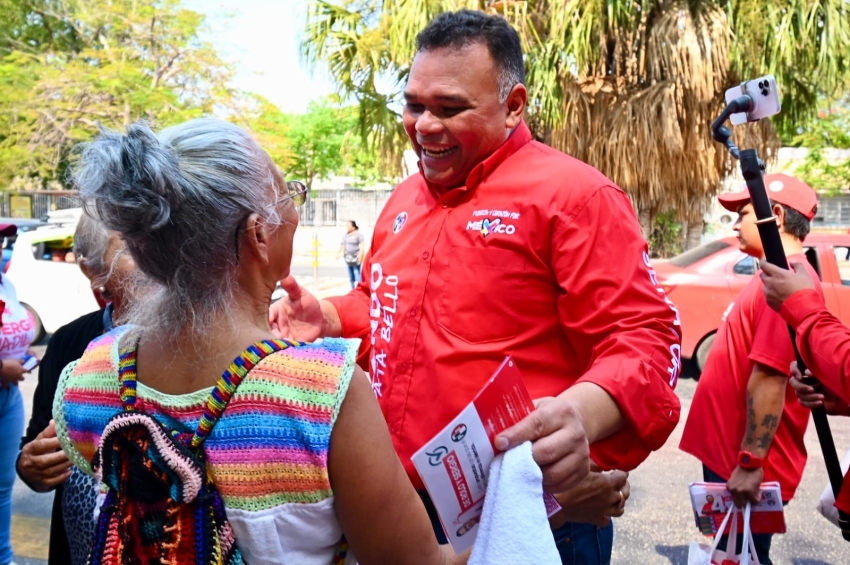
<point>17,332</point>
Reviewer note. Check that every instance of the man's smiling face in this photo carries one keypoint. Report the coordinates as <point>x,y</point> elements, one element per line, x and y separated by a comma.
<point>452,112</point>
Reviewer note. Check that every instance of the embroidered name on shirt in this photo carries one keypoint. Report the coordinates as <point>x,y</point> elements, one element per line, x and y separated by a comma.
<point>675,349</point>
<point>382,310</point>
<point>506,214</point>
<point>488,227</point>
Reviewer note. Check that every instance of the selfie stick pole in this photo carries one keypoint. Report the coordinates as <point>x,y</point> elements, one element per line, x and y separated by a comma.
<point>752,169</point>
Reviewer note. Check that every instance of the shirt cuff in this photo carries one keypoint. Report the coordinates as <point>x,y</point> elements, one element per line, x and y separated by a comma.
<point>648,404</point>
<point>799,305</point>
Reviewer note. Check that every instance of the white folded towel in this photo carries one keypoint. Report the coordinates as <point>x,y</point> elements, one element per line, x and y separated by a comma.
<point>514,528</point>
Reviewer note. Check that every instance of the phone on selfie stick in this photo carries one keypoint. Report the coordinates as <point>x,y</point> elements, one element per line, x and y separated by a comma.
<point>752,101</point>
<point>764,95</point>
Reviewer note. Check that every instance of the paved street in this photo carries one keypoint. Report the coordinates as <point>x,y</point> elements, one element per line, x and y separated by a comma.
<point>303,273</point>
<point>31,511</point>
<point>657,527</point>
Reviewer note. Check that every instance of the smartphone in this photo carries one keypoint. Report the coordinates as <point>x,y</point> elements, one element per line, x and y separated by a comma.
<point>30,362</point>
<point>764,94</point>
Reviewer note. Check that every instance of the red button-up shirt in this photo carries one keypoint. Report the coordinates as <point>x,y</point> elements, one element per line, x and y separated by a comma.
<point>824,344</point>
<point>539,256</point>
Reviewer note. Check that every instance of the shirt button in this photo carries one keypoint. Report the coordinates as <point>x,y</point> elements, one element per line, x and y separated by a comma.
<point>445,204</point>
<point>402,368</point>
<point>413,312</point>
<point>425,255</point>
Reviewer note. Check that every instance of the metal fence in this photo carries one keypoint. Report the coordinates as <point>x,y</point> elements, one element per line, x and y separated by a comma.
<point>833,212</point>
<point>37,203</point>
<point>323,208</point>
<point>336,207</point>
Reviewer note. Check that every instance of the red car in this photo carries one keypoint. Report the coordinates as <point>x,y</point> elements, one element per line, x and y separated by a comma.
<point>704,282</point>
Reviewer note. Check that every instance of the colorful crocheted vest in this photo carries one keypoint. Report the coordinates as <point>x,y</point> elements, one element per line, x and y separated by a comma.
<point>161,504</point>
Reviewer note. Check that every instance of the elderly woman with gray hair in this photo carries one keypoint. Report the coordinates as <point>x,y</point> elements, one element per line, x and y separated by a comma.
<point>300,456</point>
<point>42,464</point>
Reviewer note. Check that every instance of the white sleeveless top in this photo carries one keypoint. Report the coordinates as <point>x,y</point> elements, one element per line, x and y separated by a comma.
<point>18,329</point>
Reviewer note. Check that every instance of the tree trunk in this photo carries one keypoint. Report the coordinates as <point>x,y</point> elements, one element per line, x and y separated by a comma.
<point>646,217</point>
<point>693,227</point>
<point>693,236</point>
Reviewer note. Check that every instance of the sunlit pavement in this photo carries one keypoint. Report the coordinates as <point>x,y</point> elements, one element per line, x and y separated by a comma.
<point>31,511</point>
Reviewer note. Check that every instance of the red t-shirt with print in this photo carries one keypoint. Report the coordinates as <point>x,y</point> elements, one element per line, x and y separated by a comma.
<point>751,333</point>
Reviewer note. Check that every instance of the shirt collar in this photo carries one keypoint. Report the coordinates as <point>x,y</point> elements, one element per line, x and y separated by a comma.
<point>520,137</point>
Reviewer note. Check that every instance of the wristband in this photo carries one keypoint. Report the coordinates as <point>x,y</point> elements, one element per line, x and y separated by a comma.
<point>749,461</point>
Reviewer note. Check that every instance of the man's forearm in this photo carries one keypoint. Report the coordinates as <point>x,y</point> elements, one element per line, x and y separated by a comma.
<point>765,402</point>
<point>600,415</point>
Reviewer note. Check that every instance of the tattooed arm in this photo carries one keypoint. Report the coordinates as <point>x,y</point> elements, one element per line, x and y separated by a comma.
<point>765,401</point>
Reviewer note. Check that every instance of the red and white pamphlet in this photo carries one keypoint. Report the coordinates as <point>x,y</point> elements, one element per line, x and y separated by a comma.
<point>455,464</point>
<point>711,502</point>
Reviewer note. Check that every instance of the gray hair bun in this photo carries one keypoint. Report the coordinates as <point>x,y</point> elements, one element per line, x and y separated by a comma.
<point>178,199</point>
<point>133,180</point>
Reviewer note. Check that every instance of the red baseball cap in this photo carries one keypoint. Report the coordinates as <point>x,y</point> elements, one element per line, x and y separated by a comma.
<point>781,188</point>
<point>8,230</point>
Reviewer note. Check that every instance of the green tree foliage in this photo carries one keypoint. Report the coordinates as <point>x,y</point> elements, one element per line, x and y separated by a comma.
<point>830,130</point>
<point>270,127</point>
<point>319,136</point>
<point>666,237</point>
<point>628,86</point>
<point>319,143</point>
<point>69,65</point>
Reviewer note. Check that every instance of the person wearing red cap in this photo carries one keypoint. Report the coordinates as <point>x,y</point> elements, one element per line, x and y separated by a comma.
<point>745,425</point>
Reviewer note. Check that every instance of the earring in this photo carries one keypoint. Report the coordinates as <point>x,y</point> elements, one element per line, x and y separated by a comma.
<point>101,289</point>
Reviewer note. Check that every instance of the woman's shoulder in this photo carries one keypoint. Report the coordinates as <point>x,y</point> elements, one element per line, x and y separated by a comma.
<point>315,373</point>
<point>328,355</point>
<point>101,356</point>
<point>88,395</point>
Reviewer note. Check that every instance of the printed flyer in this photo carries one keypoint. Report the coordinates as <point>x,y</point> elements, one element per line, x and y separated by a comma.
<point>711,502</point>
<point>455,464</point>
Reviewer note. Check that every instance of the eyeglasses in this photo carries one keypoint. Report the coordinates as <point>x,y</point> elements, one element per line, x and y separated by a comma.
<point>297,191</point>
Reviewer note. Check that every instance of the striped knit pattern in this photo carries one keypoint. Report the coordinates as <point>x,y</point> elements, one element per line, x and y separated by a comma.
<point>270,446</point>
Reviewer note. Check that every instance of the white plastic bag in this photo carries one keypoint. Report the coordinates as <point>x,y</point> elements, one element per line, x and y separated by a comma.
<point>702,554</point>
<point>826,504</point>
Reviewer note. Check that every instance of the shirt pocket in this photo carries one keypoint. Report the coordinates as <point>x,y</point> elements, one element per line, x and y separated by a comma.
<point>479,301</point>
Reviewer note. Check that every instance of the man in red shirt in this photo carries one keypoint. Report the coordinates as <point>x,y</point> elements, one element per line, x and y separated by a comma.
<point>745,424</point>
<point>822,340</point>
<point>504,246</point>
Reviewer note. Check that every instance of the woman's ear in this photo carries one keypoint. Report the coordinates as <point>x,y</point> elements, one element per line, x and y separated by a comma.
<point>256,237</point>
